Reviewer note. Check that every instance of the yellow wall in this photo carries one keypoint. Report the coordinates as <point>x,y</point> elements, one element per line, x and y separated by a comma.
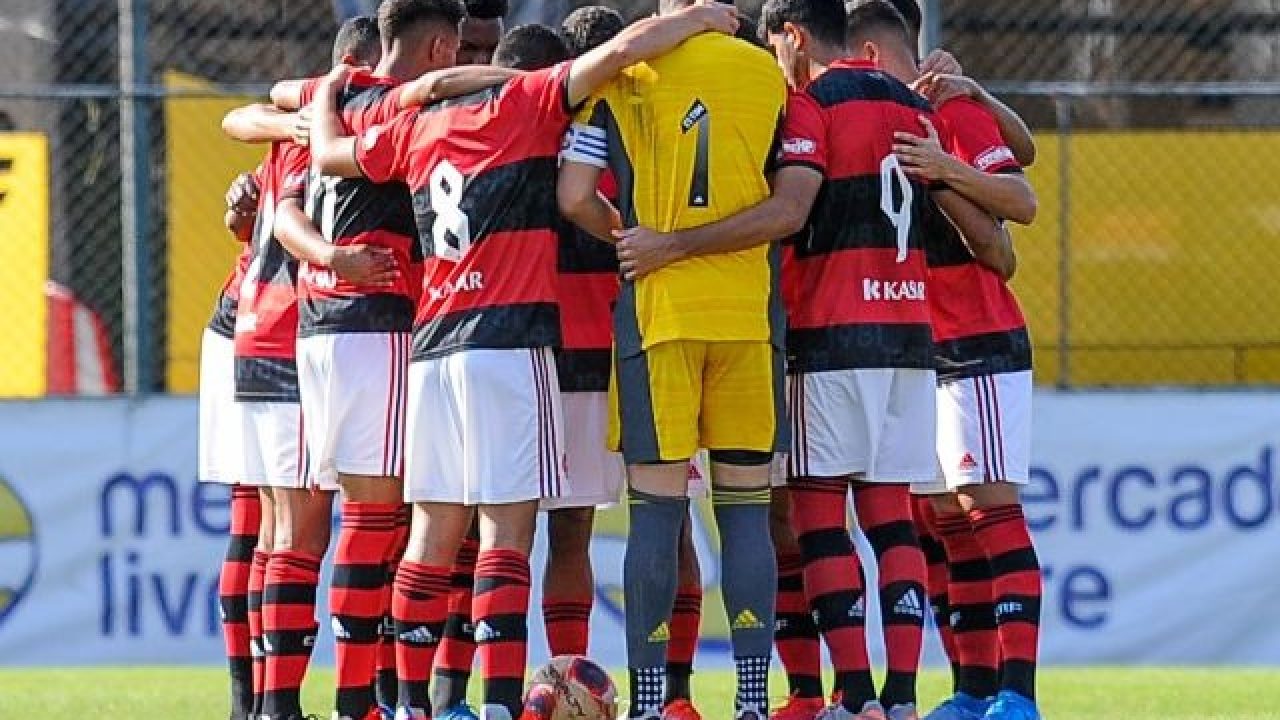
<point>24,262</point>
<point>201,162</point>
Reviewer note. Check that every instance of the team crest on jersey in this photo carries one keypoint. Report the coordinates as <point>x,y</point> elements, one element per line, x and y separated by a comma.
<point>696,112</point>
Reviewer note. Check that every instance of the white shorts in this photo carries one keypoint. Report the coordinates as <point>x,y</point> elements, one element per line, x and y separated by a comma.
<point>984,432</point>
<point>485,428</point>
<point>218,450</point>
<point>274,454</point>
<point>352,387</point>
<point>876,423</point>
<point>595,475</point>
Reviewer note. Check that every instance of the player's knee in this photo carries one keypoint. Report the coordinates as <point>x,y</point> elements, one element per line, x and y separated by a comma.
<point>988,495</point>
<point>508,527</point>
<point>946,504</point>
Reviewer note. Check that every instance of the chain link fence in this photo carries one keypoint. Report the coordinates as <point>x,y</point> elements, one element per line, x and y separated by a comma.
<point>1150,263</point>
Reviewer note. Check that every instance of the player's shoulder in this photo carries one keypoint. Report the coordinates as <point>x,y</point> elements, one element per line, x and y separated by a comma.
<point>964,109</point>
<point>859,82</point>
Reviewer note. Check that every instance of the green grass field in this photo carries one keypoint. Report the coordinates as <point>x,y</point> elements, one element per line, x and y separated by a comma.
<point>1095,694</point>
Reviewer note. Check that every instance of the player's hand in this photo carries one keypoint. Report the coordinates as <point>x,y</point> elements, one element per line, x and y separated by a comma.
<point>941,62</point>
<point>302,126</point>
<point>938,88</point>
<point>715,16</point>
<point>924,157</point>
<point>365,265</point>
<point>642,251</point>
<point>242,196</point>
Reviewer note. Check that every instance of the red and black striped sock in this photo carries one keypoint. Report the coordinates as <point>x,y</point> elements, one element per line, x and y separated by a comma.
<point>356,601</point>
<point>686,621</point>
<point>1015,573</point>
<point>973,620</point>
<point>387,683</point>
<point>833,580</point>
<point>795,634</point>
<point>233,595</point>
<point>884,514</point>
<point>500,609</point>
<point>288,629</point>
<point>419,606</point>
<point>568,623</point>
<point>457,649</point>
<point>935,558</point>
<point>257,579</point>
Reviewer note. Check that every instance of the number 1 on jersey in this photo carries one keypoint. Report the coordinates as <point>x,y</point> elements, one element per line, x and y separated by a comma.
<point>700,187</point>
<point>899,216</point>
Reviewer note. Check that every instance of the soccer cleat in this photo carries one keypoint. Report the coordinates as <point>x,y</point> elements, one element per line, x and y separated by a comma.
<point>459,711</point>
<point>872,710</point>
<point>961,706</point>
<point>798,708</point>
<point>1010,705</point>
<point>680,709</point>
<point>905,711</point>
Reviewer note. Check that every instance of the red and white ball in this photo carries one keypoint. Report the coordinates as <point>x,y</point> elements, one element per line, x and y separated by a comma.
<point>571,687</point>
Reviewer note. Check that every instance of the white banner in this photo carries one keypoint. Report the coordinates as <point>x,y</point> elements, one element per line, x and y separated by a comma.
<point>1155,515</point>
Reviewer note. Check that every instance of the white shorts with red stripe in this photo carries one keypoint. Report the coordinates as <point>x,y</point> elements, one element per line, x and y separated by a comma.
<point>485,428</point>
<point>353,390</point>
<point>596,475</point>
<point>218,450</point>
<point>875,423</point>
<point>274,454</point>
<point>984,431</point>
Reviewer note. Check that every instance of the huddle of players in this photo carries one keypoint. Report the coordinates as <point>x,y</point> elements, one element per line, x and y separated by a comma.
<point>468,411</point>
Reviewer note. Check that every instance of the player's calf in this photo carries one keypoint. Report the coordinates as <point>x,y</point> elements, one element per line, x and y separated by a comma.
<point>568,586</point>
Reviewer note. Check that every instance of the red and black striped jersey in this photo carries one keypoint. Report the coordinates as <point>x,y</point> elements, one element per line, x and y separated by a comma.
<point>854,277</point>
<point>978,327</point>
<point>482,171</point>
<point>360,212</point>
<point>587,289</point>
<point>223,321</point>
<point>267,313</point>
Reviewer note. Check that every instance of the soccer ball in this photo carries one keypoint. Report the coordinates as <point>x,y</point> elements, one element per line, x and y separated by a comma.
<point>571,687</point>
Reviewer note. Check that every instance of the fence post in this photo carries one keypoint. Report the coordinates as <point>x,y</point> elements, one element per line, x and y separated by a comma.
<point>135,198</point>
<point>1063,106</point>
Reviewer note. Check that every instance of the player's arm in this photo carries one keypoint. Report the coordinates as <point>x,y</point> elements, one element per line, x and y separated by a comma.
<point>242,206</point>
<point>452,82</point>
<point>287,94</point>
<point>333,152</point>
<point>359,264</point>
<point>1005,195</point>
<point>582,204</point>
<point>940,86</point>
<point>642,250</point>
<point>988,239</point>
<point>260,123</point>
<point>645,40</point>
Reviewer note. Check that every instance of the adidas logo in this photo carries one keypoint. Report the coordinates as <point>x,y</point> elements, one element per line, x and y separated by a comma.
<point>1008,607</point>
<point>309,641</point>
<point>420,635</point>
<point>955,619</point>
<point>267,647</point>
<point>660,634</point>
<point>859,609</point>
<point>339,630</point>
<point>909,604</point>
<point>486,633</point>
<point>967,463</point>
<point>780,624</point>
<point>747,620</point>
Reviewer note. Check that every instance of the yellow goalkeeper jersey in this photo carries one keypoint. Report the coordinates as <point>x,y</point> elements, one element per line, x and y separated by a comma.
<point>689,138</point>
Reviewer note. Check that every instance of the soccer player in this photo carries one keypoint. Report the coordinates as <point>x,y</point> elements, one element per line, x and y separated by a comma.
<point>267,393</point>
<point>483,419</point>
<point>698,359</point>
<point>482,31</point>
<point>219,457</point>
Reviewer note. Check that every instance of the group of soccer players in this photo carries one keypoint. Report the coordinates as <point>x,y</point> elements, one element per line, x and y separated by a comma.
<point>487,274</point>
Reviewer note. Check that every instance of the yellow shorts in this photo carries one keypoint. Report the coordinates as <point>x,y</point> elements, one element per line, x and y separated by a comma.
<point>682,395</point>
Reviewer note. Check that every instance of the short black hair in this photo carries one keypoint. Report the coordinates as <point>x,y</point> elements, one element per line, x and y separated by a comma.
<point>824,19</point>
<point>749,31</point>
<point>911,15</point>
<point>589,27</point>
<point>530,47</point>
<point>357,37</point>
<point>488,9</point>
<point>872,16</point>
<point>397,17</point>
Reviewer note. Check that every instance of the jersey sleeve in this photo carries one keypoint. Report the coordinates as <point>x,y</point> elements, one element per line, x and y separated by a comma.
<point>363,108</point>
<point>587,141</point>
<point>804,135</point>
<point>542,96</point>
<point>975,137</point>
<point>382,151</point>
<point>292,168</point>
<point>308,91</point>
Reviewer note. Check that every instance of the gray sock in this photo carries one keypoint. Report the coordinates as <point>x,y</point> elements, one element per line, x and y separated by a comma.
<point>649,580</point>
<point>749,578</point>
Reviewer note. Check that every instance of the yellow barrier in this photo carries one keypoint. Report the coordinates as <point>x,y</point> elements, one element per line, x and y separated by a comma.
<point>201,164</point>
<point>24,262</point>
